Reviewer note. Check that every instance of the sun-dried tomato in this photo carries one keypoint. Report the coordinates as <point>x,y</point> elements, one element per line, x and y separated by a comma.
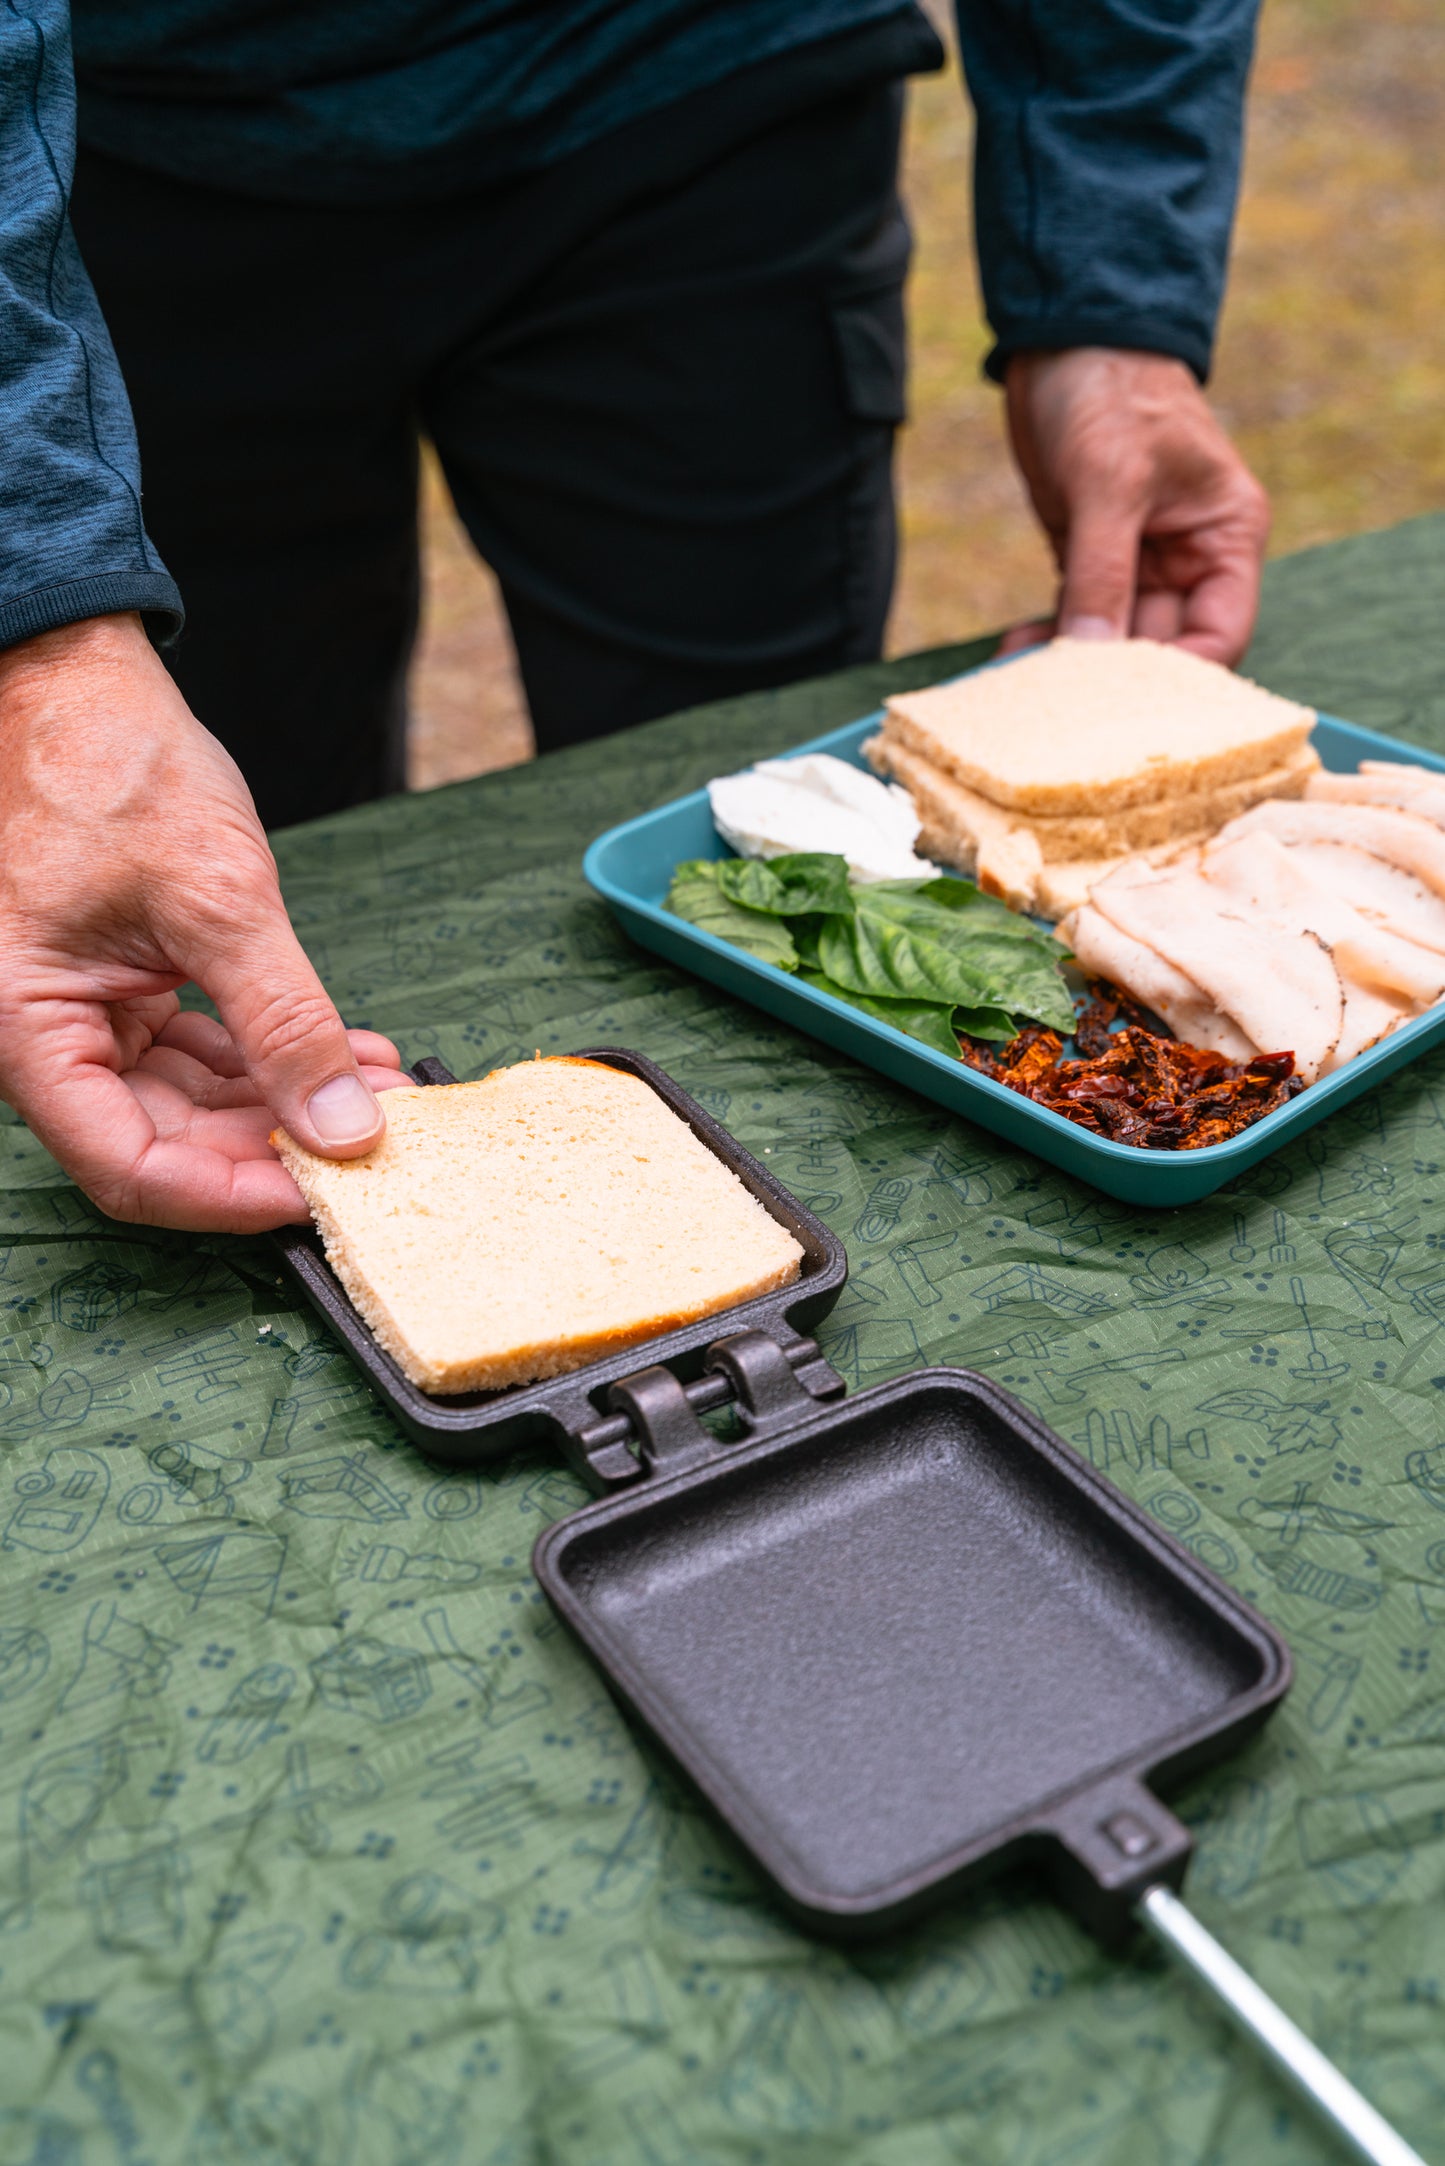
<point>1136,1083</point>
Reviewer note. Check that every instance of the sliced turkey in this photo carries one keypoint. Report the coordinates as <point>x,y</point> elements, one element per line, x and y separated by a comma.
<point>1103,951</point>
<point>1280,988</point>
<point>1401,838</point>
<point>1263,880</point>
<point>1406,789</point>
<point>1377,889</point>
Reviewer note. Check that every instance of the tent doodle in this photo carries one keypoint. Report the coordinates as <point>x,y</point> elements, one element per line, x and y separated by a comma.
<point>232,1564</point>
<point>1021,1281</point>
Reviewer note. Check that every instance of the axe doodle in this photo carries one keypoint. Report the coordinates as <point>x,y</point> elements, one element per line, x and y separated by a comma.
<point>1287,1518</point>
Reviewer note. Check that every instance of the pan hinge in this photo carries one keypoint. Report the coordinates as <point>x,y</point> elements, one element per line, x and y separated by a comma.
<point>654,1427</point>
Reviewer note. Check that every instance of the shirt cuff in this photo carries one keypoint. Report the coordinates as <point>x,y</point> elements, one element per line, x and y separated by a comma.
<point>45,609</point>
<point>1142,334</point>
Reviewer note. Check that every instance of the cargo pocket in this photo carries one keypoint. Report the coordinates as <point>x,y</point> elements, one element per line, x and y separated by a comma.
<point>868,322</point>
<point>866,307</point>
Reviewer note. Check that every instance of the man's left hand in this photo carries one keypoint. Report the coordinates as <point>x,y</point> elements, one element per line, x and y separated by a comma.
<point>1157,525</point>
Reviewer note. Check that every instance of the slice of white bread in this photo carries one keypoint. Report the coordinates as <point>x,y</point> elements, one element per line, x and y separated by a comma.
<point>1078,725</point>
<point>948,807</point>
<point>521,1226</point>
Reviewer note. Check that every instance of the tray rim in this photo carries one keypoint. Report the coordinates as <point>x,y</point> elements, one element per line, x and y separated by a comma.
<point>1183,1176</point>
<point>1168,1758</point>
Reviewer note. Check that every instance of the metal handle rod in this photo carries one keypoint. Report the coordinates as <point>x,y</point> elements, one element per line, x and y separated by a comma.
<point>1366,2134</point>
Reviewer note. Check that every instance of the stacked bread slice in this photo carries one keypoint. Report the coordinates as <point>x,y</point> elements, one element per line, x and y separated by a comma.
<point>1039,777</point>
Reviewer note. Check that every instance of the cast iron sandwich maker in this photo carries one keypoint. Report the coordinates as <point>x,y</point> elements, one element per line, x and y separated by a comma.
<point>898,1641</point>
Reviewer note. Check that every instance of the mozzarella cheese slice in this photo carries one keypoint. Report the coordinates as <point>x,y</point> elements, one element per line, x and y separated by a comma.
<point>820,803</point>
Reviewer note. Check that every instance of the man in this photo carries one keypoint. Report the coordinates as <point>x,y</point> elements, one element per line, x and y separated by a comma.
<point>636,266</point>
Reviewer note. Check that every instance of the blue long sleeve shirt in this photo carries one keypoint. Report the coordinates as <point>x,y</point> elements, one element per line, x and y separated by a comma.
<point>72,540</point>
<point>1107,164</point>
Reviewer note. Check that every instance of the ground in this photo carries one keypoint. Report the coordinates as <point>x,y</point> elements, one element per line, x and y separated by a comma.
<point>1331,370</point>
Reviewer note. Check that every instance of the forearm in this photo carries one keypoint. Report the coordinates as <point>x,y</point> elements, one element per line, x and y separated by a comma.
<point>73,544</point>
<point>1107,168</point>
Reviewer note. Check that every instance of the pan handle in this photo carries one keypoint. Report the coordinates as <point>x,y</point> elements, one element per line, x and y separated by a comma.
<point>1110,1843</point>
<point>1364,2133</point>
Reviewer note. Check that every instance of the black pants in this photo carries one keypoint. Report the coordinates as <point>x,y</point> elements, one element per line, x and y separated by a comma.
<point>662,378</point>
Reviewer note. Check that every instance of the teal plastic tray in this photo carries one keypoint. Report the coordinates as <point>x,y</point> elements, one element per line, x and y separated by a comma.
<point>631,868</point>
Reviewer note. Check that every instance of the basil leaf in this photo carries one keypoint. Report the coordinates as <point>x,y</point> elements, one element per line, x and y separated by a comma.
<point>696,895</point>
<point>977,915</point>
<point>870,954</point>
<point>789,887</point>
<point>919,1019</point>
<point>805,933</point>
<point>942,941</point>
<point>990,1023</point>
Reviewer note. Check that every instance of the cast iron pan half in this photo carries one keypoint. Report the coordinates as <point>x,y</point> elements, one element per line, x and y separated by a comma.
<point>911,1638</point>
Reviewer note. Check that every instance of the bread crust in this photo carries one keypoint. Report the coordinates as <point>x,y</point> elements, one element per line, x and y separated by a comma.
<point>1080,723</point>
<point>950,808</point>
<point>539,1219</point>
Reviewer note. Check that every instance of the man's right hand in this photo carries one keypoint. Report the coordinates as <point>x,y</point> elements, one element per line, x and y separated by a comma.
<point>1157,524</point>
<point>132,862</point>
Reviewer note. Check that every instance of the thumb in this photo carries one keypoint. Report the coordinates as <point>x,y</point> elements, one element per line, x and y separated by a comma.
<point>1101,571</point>
<point>289,1035</point>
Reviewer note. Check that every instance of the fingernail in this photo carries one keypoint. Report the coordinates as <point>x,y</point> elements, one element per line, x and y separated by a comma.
<point>1090,628</point>
<point>343,1110</point>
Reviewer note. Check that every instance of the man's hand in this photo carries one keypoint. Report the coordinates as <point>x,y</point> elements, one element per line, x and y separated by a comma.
<point>132,861</point>
<point>1157,525</point>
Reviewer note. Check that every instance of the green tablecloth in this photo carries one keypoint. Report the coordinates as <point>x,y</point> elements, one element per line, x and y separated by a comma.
<point>321,1843</point>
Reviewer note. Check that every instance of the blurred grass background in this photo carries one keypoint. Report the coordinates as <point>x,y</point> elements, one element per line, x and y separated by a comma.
<point>1331,368</point>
